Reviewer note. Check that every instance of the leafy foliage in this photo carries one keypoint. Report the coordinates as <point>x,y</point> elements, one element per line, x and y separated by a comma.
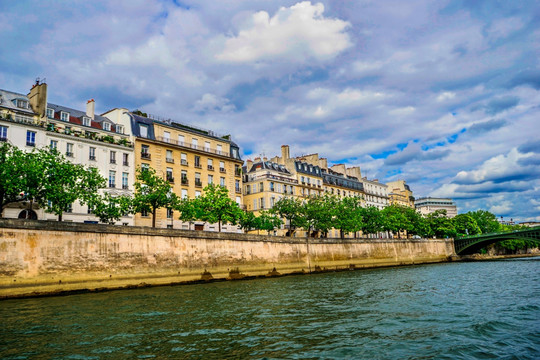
<point>216,206</point>
<point>152,192</point>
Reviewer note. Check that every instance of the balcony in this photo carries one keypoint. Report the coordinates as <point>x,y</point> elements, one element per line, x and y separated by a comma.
<point>170,160</point>
<point>192,146</point>
<point>126,163</point>
<point>198,183</point>
<point>113,161</point>
<point>145,155</point>
<point>198,166</point>
<point>184,181</point>
<point>69,154</point>
<point>125,187</point>
<point>112,185</point>
<point>170,179</point>
<point>238,190</point>
<point>184,162</point>
<point>32,144</point>
<point>222,170</point>
<point>238,172</point>
<point>3,139</point>
<point>92,157</point>
<point>210,167</point>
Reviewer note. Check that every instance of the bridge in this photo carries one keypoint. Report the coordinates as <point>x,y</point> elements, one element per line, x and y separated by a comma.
<point>472,244</point>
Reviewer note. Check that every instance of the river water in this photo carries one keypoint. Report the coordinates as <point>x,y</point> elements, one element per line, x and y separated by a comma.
<point>476,310</point>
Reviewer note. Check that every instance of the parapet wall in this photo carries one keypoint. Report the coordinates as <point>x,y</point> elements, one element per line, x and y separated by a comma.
<point>42,257</point>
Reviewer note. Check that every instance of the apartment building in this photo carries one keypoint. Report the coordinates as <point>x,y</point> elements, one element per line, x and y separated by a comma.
<point>400,193</point>
<point>188,157</point>
<point>375,193</point>
<point>428,205</point>
<point>29,121</point>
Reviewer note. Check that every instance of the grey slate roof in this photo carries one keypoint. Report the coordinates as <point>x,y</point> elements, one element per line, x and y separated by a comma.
<point>269,166</point>
<point>7,101</point>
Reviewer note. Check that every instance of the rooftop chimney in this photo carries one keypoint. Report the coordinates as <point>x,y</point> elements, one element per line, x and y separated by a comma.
<point>249,164</point>
<point>90,108</point>
<point>38,98</point>
<point>285,152</point>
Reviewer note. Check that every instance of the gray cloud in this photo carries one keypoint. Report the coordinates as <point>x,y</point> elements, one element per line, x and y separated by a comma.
<point>498,105</point>
<point>532,146</point>
<point>483,127</point>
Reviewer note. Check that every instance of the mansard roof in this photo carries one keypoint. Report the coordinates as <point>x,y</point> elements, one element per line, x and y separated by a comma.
<point>7,101</point>
<point>306,168</point>
<point>269,165</point>
<point>75,116</point>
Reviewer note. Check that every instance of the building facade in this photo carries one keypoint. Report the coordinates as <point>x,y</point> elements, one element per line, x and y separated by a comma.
<point>188,157</point>
<point>400,193</point>
<point>376,193</point>
<point>29,122</point>
<point>428,205</point>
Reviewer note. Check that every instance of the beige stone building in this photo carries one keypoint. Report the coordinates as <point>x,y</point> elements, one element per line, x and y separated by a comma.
<point>400,193</point>
<point>188,157</point>
<point>428,205</point>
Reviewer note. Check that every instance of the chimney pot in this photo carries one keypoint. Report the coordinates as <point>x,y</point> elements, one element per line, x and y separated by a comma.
<point>90,108</point>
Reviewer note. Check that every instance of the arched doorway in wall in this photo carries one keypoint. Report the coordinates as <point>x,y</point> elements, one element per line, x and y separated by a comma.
<point>28,214</point>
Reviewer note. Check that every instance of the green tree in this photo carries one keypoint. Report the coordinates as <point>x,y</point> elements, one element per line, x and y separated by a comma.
<point>371,220</point>
<point>248,221</point>
<point>290,209</point>
<point>418,224</point>
<point>348,215</point>
<point>268,221</point>
<point>318,213</point>
<point>108,208</point>
<point>441,226</point>
<point>152,192</point>
<point>12,170</point>
<point>189,209</point>
<point>217,206</point>
<point>486,221</point>
<point>395,219</point>
<point>466,225</point>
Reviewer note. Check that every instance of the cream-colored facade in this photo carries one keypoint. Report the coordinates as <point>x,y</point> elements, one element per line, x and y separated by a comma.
<point>376,193</point>
<point>29,122</point>
<point>400,193</point>
<point>428,205</point>
<point>189,158</point>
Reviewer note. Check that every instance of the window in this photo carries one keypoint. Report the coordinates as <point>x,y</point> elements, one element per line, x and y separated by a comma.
<point>92,153</point>
<point>222,181</point>
<point>120,129</point>
<point>113,157</point>
<point>184,194</point>
<point>30,138</point>
<point>210,164</point>
<point>237,186</point>
<point>183,177</point>
<point>254,204</point>
<point>239,200</point>
<point>170,213</point>
<point>170,177</point>
<point>145,152</point>
<point>166,136</point>
<point>86,121</point>
<point>125,180</point>
<point>143,130</point>
<point>22,104</point>
<point>183,159</point>
<point>194,142</point>
<point>206,146</point>
<point>64,116</point>
<point>69,150</point>
<point>197,194</point>
<point>3,133</point>
<point>144,167</point>
<point>198,179</point>
<point>219,149</point>
<point>112,179</point>
<point>261,187</point>
<point>169,157</point>
<point>248,189</point>
<point>262,203</point>
<point>144,213</point>
<point>69,209</point>
<point>210,179</point>
<point>197,161</point>
<point>53,145</point>
<point>222,166</point>
<point>125,159</point>
<point>271,186</point>
<point>106,126</point>
<point>237,170</point>
<point>181,140</point>
<point>50,113</point>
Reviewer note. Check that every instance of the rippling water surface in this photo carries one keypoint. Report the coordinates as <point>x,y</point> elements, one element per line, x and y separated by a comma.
<point>483,310</point>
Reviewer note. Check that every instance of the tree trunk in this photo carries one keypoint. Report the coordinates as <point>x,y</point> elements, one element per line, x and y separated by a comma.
<point>60,217</point>
<point>154,217</point>
<point>219,225</point>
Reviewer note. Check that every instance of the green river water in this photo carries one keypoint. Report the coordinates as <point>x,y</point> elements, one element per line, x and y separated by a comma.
<point>468,310</point>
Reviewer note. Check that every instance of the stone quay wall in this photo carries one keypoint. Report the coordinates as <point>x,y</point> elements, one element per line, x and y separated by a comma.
<point>45,258</point>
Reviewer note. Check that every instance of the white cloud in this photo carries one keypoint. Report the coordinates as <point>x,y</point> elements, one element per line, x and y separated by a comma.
<point>295,34</point>
<point>211,102</point>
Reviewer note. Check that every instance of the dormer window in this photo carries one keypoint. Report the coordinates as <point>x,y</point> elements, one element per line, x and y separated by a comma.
<point>107,126</point>
<point>86,121</point>
<point>120,129</point>
<point>23,104</point>
<point>64,116</point>
<point>50,113</point>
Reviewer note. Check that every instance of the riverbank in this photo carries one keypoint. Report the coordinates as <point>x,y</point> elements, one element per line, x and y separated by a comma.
<point>487,257</point>
<point>41,258</point>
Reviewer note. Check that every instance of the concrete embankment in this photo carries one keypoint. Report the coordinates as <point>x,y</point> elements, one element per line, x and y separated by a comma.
<point>45,258</point>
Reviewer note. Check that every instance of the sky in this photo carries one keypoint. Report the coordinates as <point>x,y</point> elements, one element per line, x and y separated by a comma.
<point>442,94</point>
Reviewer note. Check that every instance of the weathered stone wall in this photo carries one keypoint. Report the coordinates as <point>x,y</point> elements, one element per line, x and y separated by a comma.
<point>41,257</point>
